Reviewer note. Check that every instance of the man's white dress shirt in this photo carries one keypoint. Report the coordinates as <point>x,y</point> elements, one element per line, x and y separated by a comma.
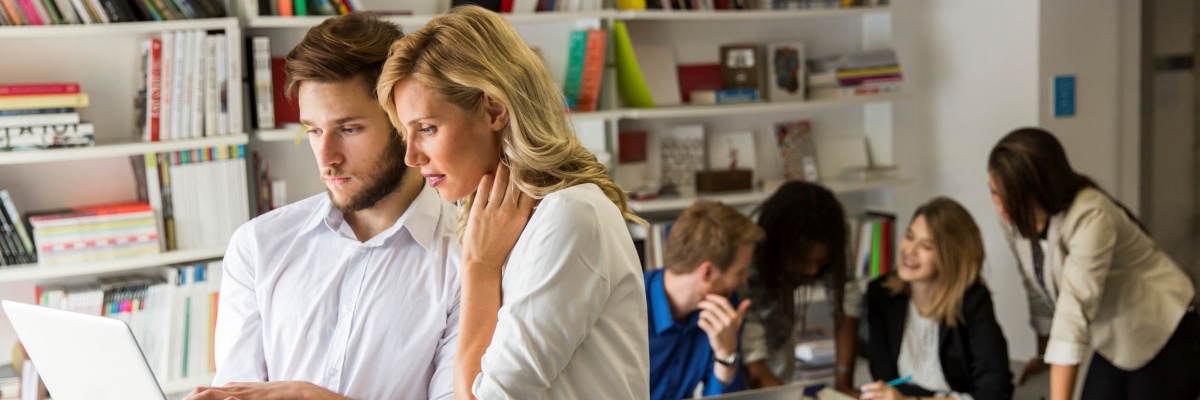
<point>573,322</point>
<point>302,299</point>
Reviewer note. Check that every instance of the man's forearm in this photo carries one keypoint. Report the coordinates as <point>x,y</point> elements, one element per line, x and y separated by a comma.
<point>481,300</point>
<point>1062,381</point>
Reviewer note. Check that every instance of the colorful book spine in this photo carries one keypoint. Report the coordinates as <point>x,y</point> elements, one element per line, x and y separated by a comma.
<point>154,89</point>
<point>593,70</point>
<point>38,89</point>
<point>77,100</point>
<point>575,57</point>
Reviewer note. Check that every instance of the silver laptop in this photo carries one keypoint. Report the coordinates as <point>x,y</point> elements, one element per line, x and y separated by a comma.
<point>785,392</point>
<point>83,357</point>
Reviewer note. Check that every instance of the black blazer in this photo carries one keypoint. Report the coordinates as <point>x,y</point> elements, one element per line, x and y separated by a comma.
<point>974,355</point>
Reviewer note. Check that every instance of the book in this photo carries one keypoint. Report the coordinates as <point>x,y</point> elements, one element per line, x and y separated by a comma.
<point>732,151</point>
<point>577,48</point>
<point>740,66</point>
<point>46,135</point>
<point>797,151</point>
<point>659,70</point>
<point>39,119</point>
<point>154,77</point>
<point>632,147</point>
<point>286,111</point>
<point>77,100</point>
<point>264,105</point>
<point>36,111</point>
<point>141,89</point>
<point>698,77</point>
<point>39,89</point>
<point>14,215</point>
<point>786,77</point>
<point>682,155</point>
<point>844,92</point>
<point>593,70</point>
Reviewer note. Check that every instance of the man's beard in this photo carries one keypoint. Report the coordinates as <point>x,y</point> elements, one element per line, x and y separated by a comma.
<point>380,183</point>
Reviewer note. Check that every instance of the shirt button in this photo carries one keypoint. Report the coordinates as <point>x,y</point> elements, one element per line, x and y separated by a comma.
<point>362,250</point>
<point>347,308</point>
<point>332,371</point>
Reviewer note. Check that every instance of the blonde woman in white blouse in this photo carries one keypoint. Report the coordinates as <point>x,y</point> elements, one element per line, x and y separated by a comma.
<point>555,308</point>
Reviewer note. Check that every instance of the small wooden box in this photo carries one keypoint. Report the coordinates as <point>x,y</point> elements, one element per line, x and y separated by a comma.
<point>724,181</point>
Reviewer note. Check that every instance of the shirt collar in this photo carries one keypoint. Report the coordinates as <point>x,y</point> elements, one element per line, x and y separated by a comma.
<point>421,219</point>
<point>660,307</point>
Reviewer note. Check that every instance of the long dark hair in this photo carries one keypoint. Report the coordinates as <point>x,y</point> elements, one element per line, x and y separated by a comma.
<point>796,218</point>
<point>1030,168</point>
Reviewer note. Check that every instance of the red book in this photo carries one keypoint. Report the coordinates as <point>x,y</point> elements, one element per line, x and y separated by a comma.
<point>698,77</point>
<point>88,211</point>
<point>285,8</point>
<point>31,13</point>
<point>506,6</point>
<point>285,111</point>
<point>23,89</point>
<point>154,87</point>
<point>593,70</point>
<point>631,147</point>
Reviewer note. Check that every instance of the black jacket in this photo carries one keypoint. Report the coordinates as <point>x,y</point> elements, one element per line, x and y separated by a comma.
<point>974,355</point>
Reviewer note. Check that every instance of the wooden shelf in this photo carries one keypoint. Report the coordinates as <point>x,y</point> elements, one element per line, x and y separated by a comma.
<point>746,15</point>
<point>675,204</point>
<point>115,150</point>
<point>42,273</point>
<point>121,28</point>
<point>187,384</point>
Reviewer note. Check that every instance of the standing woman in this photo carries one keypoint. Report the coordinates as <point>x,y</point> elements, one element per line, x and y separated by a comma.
<point>563,316</point>
<point>1096,281</point>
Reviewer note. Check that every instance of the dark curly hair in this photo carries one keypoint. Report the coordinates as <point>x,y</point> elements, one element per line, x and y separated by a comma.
<point>799,216</point>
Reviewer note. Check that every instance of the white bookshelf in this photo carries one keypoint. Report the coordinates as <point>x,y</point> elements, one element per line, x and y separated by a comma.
<point>745,109</point>
<point>676,204</point>
<point>115,150</point>
<point>745,15</point>
<point>45,273</point>
<point>305,22</point>
<point>124,28</point>
<point>292,134</point>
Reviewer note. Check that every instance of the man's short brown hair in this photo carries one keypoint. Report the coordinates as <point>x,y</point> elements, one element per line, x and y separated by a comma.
<point>351,46</point>
<point>708,231</point>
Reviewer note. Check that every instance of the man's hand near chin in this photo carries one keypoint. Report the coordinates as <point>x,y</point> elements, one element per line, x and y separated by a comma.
<point>286,390</point>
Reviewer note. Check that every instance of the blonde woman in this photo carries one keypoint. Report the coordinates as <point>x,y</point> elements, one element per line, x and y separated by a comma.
<point>563,315</point>
<point>933,318</point>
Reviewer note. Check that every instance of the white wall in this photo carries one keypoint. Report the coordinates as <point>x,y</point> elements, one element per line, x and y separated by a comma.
<point>978,70</point>
<point>972,69</point>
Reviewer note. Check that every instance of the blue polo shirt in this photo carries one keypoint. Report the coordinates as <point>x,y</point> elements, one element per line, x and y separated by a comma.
<point>680,355</point>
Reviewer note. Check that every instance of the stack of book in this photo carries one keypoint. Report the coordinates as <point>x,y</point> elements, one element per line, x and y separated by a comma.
<point>42,115</point>
<point>172,317</point>
<point>875,250</point>
<point>585,68</point>
<point>200,195</point>
<point>182,93</point>
<point>815,356</point>
<point>94,233</point>
<point>15,241</point>
<point>63,12</point>
<point>857,74</point>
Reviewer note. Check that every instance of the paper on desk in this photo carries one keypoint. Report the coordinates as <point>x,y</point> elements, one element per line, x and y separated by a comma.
<point>831,394</point>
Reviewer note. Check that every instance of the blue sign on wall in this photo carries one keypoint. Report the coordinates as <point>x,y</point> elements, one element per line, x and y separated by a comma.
<point>1064,96</point>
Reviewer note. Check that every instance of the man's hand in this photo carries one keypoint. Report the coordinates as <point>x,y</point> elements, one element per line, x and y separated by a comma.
<point>721,322</point>
<point>285,390</point>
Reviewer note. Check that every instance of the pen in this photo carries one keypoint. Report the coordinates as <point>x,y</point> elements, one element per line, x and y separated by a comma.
<point>900,381</point>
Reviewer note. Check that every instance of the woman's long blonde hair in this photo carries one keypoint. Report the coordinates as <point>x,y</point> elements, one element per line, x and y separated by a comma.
<point>959,256</point>
<point>469,52</point>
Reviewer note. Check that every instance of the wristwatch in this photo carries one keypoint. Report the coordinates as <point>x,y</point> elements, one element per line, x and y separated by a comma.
<point>730,361</point>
